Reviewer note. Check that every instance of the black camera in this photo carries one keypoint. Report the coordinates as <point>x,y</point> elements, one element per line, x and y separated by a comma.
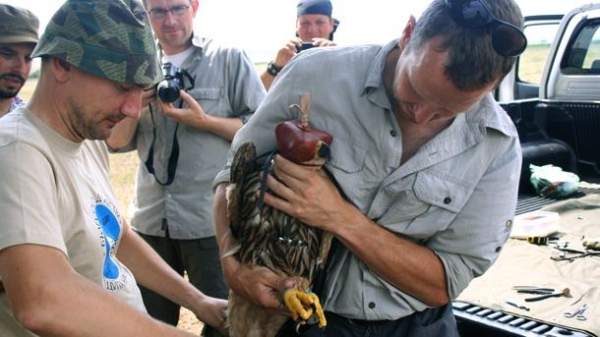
<point>304,46</point>
<point>168,88</point>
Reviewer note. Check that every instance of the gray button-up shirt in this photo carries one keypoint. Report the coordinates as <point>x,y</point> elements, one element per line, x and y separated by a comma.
<point>226,85</point>
<point>454,196</point>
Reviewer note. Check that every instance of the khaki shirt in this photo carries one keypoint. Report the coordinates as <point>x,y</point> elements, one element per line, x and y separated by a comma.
<point>57,193</point>
<point>456,195</point>
<point>226,85</point>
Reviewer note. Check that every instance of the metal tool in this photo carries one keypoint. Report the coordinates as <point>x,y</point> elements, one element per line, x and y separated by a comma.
<point>574,254</point>
<point>533,290</point>
<point>517,305</point>
<point>570,254</point>
<point>565,292</point>
<point>577,313</point>
<point>518,288</point>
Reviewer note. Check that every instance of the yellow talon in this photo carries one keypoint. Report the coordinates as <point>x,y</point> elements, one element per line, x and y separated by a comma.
<point>301,304</point>
<point>320,314</point>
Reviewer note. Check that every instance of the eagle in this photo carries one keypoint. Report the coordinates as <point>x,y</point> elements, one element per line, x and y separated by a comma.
<point>270,238</point>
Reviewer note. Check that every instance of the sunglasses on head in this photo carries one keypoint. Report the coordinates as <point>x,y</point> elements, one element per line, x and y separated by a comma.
<point>507,39</point>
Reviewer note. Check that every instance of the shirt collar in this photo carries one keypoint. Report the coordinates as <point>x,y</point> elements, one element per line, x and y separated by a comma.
<point>491,115</point>
<point>197,41</point>
<point>374,87</point>
<point>17,102</point>
<point>375,73</point>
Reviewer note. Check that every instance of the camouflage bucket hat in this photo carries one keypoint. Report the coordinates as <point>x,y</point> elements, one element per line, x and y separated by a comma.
<point>106,38</point>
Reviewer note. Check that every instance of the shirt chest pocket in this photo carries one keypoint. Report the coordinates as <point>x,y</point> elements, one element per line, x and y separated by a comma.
<point>347,165</point>
<point>210,99</point>
<point>423,204</point>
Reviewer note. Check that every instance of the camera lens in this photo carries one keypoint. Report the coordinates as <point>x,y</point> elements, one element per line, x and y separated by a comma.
<point>168,89</point>
<point>167,93</point>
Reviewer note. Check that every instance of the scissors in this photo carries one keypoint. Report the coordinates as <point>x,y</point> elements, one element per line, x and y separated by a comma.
<point>577,313</point>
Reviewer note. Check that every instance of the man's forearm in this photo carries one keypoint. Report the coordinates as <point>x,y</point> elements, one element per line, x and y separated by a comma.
<point>224,127</point>
<point>49,298</point>
<point>267,79</point>
<point>151,271</point>
<point>410,267</point>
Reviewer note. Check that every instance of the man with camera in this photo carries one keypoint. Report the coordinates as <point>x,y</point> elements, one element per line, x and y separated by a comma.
<point>314,28</point>
<point>69,262</point>
<point>18,36</point>
<point>182,145</point>
<point>425,164</point>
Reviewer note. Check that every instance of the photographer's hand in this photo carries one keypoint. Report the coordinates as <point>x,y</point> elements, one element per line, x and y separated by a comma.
<point>193,114</point>
<point>285,54</point>
<point>148,96</point>
<point>122,134</point>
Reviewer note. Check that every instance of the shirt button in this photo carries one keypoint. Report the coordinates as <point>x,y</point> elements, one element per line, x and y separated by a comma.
<point>371,305</point>
<point>498,249</point>
<point>509,224</point>
<point>393,133</point>
<point>447,200</point>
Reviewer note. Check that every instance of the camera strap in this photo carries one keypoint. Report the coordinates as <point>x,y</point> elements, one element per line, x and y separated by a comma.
<point>173,157</point>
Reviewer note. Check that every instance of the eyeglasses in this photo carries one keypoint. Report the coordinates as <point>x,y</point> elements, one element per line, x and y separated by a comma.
<point>507,39</point>
<point>159,13</point>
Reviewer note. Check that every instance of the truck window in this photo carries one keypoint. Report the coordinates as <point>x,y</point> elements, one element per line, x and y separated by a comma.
<point>583,55</point>
<point>531,62</point>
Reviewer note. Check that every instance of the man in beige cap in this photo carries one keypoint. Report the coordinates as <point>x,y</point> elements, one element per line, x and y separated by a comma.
<point>18,37</point>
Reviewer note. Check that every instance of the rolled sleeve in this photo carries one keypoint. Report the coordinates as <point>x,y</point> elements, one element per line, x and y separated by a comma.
<point>245,88</point>
<point>474,239</point>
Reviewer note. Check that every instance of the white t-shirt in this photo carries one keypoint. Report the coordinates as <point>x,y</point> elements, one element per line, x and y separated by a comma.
<point>177,59</point>
<point>57,193</point>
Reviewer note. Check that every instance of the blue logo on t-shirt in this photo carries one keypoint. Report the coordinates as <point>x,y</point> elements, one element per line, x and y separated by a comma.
<point>111,230</point>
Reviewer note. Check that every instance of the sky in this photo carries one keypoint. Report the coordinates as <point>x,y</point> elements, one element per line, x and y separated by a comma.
<point>261,27</point>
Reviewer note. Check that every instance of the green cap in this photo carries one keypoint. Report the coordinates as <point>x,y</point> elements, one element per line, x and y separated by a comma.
<point>106,38</point>
<point>17,25</point>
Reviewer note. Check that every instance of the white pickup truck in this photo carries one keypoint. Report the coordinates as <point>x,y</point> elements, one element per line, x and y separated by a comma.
<point>556,107</point>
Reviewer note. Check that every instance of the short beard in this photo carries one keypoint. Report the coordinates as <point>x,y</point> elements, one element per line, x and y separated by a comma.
<point>8,94</point>
<point>4,94</point>
<point>81,126</point>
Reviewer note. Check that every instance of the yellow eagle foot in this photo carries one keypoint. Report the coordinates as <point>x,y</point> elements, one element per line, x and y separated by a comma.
<point>303,305</point>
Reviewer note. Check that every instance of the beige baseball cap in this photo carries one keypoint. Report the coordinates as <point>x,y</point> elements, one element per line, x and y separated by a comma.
<point>17,25</point>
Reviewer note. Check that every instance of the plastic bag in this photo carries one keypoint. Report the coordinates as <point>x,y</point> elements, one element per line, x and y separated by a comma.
<point>551,181</point>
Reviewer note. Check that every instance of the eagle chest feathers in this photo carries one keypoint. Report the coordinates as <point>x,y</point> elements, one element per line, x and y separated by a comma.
<point>268,237</point>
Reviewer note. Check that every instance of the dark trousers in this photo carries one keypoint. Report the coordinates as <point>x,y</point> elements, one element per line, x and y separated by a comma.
<point>438,322</point>
<point>200,259</point>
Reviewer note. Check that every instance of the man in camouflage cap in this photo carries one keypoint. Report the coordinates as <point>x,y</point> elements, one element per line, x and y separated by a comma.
<point>98,38</point>
<point>68,261</point>
<point>18,36</point>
